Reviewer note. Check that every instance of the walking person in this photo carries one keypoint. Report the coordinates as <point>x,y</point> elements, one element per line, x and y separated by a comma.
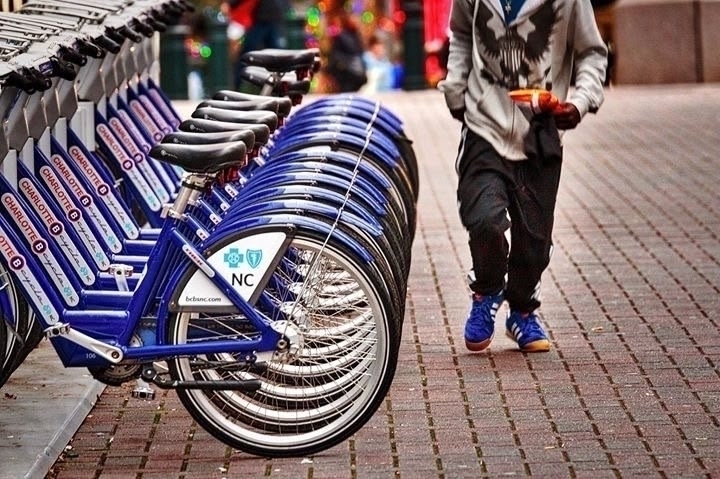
<point>255,24</point>
<point>266,29</point>
<point>509,157</point>
<point>239,16</point>
<point>345,69</point>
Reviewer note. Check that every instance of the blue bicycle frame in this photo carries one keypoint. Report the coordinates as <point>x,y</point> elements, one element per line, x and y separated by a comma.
<point>97,337</point>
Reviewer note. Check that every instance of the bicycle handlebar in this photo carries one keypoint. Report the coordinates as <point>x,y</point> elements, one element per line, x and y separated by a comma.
<point>142,26</point>
<point>107,43</point>
<point>29,80</point>
<point>20,81</point>
<point>71,55</point>
<point>63,69</point>
<point>127,32</point>
<point>90,49</point>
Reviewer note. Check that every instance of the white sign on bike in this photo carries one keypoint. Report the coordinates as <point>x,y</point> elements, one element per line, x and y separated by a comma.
<point>242,263</point>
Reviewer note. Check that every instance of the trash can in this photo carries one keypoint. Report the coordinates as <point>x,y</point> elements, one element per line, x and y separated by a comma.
<point>413,46</point>
<point>295,32</point>
<point>173,62</point>
<point>218,72</point>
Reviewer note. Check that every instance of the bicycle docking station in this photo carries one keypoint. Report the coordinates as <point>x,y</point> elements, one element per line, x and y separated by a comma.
<point>252,258</point>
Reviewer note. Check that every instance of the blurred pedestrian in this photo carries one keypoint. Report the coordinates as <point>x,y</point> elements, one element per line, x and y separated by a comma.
<point>510,157</point>
<point>240,16</point>
<point>263,27</point>
<point>379,69</point>
<point>345,66</point>
<point>267,26</point>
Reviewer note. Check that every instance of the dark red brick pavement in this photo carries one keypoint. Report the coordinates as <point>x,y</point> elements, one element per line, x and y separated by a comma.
<point>631,386</point>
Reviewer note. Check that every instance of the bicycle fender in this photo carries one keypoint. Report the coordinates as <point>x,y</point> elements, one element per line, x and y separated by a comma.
<point>317,113</point>
<point>311,192</point>
<point>378,139</point>
<point>354,104</point>
<point>344,159</point>
<point>299,206</point>
<point>336,141</point>
<point>339,159</point>
<point>310,177</point>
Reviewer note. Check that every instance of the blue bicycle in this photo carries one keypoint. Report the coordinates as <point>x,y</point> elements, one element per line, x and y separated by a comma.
<point>278,325</point>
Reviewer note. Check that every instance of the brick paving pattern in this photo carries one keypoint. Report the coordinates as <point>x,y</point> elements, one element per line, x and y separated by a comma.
<point>631,386</point>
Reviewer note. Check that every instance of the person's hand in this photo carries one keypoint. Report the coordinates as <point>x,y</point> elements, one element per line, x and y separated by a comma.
<point>566,116</point>
<point>458,114</point>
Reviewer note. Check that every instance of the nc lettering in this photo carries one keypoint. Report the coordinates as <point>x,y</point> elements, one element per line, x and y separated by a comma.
<point>243,279</point>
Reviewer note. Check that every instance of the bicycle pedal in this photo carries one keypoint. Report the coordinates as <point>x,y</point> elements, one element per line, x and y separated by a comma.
<point>147,394</point>
<point>143,391</point>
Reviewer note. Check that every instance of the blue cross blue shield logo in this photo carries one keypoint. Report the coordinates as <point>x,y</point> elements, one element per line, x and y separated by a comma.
<point>253,256</point>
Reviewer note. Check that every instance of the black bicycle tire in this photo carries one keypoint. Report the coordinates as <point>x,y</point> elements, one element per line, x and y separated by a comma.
<point>349,425</point>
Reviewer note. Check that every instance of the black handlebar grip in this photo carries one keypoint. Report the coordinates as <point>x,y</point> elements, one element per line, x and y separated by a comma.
<point>18,80</point>
<point>114,35</point>
<point>186,5</point>
<point>173,11</point>
<point>40,81</point>
<point>63,69</point>
<point>73,56</point>
<point>157,25</point>
<point>142,26</point>
<point>89,49</point>
<point>160,15</point>
<point>130,34</point>
<point>108,44</point>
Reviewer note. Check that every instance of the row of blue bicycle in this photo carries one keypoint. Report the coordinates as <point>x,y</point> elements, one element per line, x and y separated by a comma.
<point>253,258</point>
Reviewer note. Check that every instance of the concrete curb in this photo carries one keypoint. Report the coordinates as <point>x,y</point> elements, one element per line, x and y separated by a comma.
<point>45,460</point>
<point>42,406</point>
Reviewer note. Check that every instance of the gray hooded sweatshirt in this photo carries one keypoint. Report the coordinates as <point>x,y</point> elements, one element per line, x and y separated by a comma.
<point>539,49</point>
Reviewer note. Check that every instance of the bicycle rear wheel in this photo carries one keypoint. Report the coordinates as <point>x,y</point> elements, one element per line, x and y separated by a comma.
<point>318,395</point>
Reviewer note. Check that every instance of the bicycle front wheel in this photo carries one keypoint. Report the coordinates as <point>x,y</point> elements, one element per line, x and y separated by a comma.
<point>324,391</point>
<point>20,332</point>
